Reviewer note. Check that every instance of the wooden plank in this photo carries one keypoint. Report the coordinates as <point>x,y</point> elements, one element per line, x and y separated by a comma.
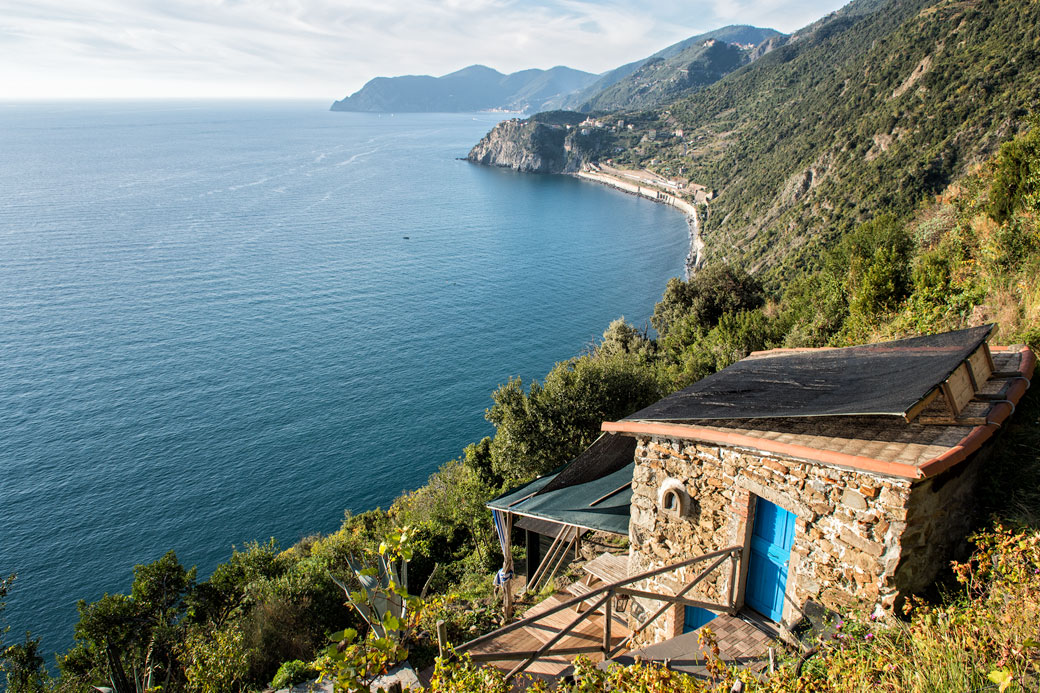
<point>915,410</point>
<point>550,555</point>
<point>960,388</point>
<point>971,376</point>
<point>607,567</point>
<point>524,654</point>
<point>682,593</point>
<point>988,397</point>
<point>564,548</point>
<point>950,401</point>
<point>442,637</point>
<point>989,356</point>
<point>521,500</point>
<point>559,636</point>
<point>710,606</point>
<point>953,421</point>
<point>578,588</point>
<point>724,553</point>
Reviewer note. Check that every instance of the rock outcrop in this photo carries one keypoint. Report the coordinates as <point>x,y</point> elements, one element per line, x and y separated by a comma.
<point>537,146</point>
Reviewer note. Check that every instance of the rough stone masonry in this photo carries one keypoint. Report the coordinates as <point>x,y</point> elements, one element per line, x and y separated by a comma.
<point>862,540</point>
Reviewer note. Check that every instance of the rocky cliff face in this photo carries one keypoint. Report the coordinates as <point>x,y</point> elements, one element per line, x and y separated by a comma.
<point>537,147</point>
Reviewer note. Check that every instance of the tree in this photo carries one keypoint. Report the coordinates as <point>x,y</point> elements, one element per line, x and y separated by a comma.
<point>133,638</point>
<point>23,666</point>
<point>21,662</point>
<point>875,262</point>
<point>695,352</point>
<point>621,338</point>
<point>706,297</point>
<point>1016,178</point>
<point>539,430</point>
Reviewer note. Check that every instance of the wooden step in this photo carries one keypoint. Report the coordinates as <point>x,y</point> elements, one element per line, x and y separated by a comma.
<point>578,589</point>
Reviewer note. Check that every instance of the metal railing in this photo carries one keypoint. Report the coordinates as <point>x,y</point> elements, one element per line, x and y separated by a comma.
<point>603,596</point>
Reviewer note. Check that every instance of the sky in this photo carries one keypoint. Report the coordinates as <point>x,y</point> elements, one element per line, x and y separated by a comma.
<point>327,49</point>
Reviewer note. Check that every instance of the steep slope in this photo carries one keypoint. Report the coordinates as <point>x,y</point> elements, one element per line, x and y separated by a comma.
<point>869,110</point>
<point>663,79</point>
<point>474,88</point>
<point>742,34</point>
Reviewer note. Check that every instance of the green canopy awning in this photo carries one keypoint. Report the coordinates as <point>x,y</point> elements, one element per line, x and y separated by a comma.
<point>596,498</point>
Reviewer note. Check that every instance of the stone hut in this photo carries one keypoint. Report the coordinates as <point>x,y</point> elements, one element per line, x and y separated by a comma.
<point>845,476</point>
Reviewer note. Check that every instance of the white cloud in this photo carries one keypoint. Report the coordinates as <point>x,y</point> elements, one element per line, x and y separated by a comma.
<point>328,48</point>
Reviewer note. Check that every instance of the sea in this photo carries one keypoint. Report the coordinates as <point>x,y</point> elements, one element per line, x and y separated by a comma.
<point>224,322</point>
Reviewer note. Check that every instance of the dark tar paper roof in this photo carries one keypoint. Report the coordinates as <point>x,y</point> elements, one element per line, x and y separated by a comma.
<point>875,379</point>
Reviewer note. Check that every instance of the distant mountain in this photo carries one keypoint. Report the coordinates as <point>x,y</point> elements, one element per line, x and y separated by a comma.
<point>474,88</point>
<point>679,68</point>
<point>671,58</point>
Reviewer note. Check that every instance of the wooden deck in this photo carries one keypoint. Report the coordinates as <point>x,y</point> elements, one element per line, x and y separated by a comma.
<point>533,636</point>
<point>743,642</point>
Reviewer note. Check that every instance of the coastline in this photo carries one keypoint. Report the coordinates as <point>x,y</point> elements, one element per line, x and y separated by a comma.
<point>695,257</point>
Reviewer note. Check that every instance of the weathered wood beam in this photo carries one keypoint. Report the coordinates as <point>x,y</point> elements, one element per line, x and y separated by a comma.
<point>557,638</point>
<point>613,493</point>
<point>671,600</point>
<point>524,654</point>
<point>732,550</point>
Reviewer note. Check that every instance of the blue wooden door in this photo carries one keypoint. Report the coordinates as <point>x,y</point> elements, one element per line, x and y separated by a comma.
<point>771,540</point>
<point>695,617</point>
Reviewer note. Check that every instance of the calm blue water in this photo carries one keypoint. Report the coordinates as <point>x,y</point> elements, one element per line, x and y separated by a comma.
<point>213,328</point>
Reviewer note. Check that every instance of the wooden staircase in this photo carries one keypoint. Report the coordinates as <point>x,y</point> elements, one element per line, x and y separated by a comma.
<point>549,636</point>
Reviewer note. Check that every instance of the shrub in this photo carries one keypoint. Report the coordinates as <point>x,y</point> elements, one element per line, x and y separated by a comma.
<point>292,673</point>
<point>874,260</point>
<point>215,661</point>
<point>1016,177</point>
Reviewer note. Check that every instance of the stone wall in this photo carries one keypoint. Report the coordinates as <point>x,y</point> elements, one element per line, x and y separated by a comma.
<point>938,517</point>
<point>847,539</point>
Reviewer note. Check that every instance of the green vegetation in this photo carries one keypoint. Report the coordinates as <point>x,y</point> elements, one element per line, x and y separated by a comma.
<point>871,109</point>
<point>744,35</point>
<point>982,638</point>
<point>968,256</point>
<point>659,80</point>
<point>894,190</point>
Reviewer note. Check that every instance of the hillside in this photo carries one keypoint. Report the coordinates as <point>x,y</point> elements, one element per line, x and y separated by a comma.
<point>744,35</point>
<point>475,88</point>
<point>879,175</point>
<point>662,79</point>
<point>868,110</point>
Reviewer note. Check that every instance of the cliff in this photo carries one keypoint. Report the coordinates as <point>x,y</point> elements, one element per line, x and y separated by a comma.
<point>554,142</point>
